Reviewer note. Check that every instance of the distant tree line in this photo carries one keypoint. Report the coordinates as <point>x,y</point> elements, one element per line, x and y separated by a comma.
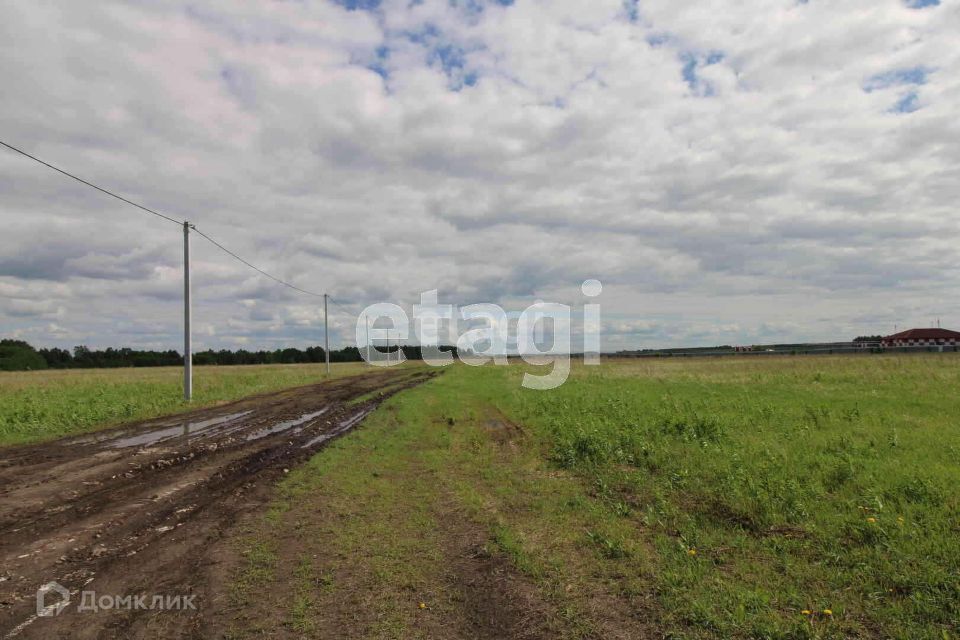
<point>17,355</point>
<point>758,347</point>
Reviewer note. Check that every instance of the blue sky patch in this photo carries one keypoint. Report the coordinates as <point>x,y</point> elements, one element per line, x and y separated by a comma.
<point>425,35</point>
<point>451,57</point>
<point>907,104</point>
<point>693,61</point>
<point>897,78</point>
<point>469,6</point>
<point>379,65</point>
<point>359,5</point>
<point>658,40</point>
<point>473,8</point>
<point>922,4</point>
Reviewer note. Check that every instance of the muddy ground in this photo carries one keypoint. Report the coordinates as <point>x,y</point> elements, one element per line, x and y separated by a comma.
<point>141,510</point>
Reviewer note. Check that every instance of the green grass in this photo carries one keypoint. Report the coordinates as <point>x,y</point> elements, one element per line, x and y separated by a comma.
<point>40,405</point>
<point>769,488</point>
<point>384,545</point>
<point>721,498</point>
<point>727,498</point>
<point>260,567</point>
<point>385,507</point>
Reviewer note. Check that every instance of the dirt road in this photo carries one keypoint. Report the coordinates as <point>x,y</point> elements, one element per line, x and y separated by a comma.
<point>142,510</point>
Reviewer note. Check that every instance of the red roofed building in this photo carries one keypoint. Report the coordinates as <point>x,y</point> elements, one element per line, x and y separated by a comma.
<point>923,338</point>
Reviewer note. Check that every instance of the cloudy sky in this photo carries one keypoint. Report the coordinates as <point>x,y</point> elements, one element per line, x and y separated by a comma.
<point>732,172</point>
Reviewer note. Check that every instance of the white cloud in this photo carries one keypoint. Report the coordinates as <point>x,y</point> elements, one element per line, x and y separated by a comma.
<point>690,155</point>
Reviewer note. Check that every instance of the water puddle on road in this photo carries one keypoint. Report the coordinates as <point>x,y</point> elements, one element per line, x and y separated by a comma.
<point>284,426</point>
<point>344,426</point>
<point>184,430</point>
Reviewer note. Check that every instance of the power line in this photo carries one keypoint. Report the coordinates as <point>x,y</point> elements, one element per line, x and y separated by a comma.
<point>165,217</point>
<point>342,308</point>
<point>90,184</point>
<point>255,268</point>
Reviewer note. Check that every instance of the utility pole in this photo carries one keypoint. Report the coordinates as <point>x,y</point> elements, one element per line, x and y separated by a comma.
<point>187,347</point>
<point>326,334</point>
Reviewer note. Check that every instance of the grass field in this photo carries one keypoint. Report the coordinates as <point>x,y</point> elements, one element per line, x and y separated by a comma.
<point>767,489</point>
<point>39,405</point>
<point>793,497</point>
<point>776,498</point>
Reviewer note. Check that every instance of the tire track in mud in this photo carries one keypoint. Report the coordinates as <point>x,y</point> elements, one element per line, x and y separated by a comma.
<point>136,509</point>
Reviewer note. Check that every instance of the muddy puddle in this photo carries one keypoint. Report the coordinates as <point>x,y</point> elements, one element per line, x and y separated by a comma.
<point>185,430</point>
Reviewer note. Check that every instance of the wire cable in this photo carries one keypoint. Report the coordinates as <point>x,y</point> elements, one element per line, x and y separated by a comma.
<point>160,215</point>
<point>341,307</point>
<point>90,184</point>
<point>255,268</point>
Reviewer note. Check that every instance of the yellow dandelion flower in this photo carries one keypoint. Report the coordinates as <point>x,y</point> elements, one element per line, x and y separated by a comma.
<point>871,520</point>
<point>828,612</point>
<point>806,612</point>
<point>691,552</point>
<point>423,605</point>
